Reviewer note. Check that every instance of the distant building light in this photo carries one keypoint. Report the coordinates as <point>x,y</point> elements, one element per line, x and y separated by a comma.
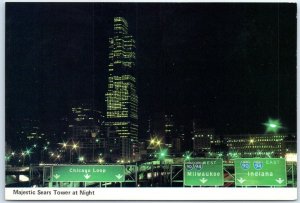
<point>291,157</point>
<point>23,178</point>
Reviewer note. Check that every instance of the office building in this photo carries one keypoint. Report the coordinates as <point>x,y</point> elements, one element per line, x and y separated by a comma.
<point>170,130</point>
<point>86,130</point>
<point>257,145</point>
<point>202,139</point>
<point>121,96</point>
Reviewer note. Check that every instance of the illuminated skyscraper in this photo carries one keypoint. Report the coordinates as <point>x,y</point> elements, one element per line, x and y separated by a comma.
<point>170,131</point>
<point>121,96</point>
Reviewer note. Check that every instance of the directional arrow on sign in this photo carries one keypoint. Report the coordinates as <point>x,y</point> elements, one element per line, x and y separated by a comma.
<point>119,176</point>
<point>87,176</point>
<point>241,180</point>
<point>279,180</point>
<point>203,180</point>
<point>56,176</point>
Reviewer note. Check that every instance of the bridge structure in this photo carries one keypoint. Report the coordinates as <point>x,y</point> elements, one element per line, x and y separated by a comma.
<point>143,174</point>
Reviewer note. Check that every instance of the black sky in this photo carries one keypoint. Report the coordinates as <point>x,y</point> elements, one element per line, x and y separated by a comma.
<point>230,66</point>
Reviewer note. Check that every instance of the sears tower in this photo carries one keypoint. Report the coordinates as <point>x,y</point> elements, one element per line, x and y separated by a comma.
<point>121,96</point>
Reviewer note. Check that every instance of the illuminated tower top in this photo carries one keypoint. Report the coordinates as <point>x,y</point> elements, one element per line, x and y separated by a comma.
<point>120,26</point>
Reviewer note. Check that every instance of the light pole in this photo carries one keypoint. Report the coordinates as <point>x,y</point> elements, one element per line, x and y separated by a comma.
<point>73,147</point>
<point>13,156</point>
<point>23,155</point>
<point>64,146</point>
<point>70,155</point>
<point>42,153</point>
<point>58,158</point>
<point>28,152</point>
<point>94,134</point>
<point>161,156</point>
<point>81,159</point>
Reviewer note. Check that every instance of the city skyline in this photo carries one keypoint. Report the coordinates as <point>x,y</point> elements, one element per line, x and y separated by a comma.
<point>185,64</point>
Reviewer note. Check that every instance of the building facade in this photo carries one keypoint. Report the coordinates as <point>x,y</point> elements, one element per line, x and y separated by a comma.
<point>170,130</point>
<point>202,140</point>
<point>86,130</point>
<point>256,145</point>
<point>121,96</point>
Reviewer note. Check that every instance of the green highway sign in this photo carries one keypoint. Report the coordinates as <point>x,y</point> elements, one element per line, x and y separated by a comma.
<point>260,172</point>
<point>203,172</point>
<point>88,173</point>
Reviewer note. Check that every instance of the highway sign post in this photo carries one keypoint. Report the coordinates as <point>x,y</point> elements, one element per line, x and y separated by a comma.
<point>88,173</point>
<point>260,172</point>
<point>203,172</point>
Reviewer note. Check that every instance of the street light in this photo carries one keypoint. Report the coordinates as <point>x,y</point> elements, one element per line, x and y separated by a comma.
<point>23,155</point>
<point>163,153</point>
<point>187,156</point>
<point>75,146</point>
<point>7,158</point>
<point>251,141</point>
<point>81,159</point>
<point>100,161</point>
<point>155,141</point>
<point>58,157</point>
<point>273,125</point>
<point>28,151</point>
<point>64,146</point>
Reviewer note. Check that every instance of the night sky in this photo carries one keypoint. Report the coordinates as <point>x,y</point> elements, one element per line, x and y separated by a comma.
<point>230,66</point>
